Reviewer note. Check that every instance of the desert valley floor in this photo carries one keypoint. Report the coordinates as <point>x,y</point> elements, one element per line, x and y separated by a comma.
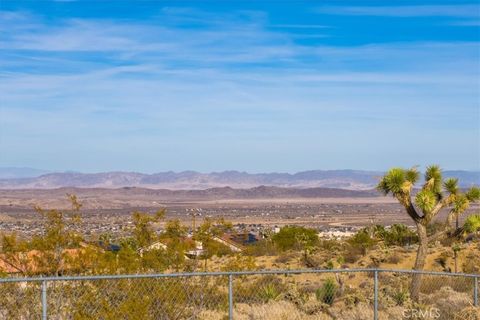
<point>110,209</point>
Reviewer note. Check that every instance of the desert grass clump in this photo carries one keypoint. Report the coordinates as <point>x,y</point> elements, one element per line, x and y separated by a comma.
<point>401,297</point>
<point>269,292</point>
<point>469,313</point>
<point>326,293</point>
<point>447,301</point>
<point>262,290</point>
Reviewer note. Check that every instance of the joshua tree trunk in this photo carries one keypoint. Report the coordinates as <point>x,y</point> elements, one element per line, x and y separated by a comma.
<point>420,261</point>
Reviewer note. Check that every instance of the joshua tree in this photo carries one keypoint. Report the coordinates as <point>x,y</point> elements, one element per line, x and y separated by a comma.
<point>435,195</point>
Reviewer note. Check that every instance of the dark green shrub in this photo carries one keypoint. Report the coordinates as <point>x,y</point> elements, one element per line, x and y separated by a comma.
<point>326,293</point>
<point>362,241</point>
<point>295,237</point>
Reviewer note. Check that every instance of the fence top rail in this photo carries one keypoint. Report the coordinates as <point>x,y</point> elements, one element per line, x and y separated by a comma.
<point>228,273</point>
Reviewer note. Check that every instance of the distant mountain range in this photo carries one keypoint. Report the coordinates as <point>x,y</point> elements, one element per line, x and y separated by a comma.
<point>191,180</point>
<point>15,173</point>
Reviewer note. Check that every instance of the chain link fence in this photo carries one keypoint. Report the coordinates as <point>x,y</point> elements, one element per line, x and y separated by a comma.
<point>283,294</point>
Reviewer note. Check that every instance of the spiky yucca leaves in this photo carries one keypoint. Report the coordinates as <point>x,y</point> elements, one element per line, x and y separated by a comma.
<point>426,200</point>
<point>433,179</point>
<point>460,204</point>
<point>431,198</point>
<point>473,194</point>
<point>472,224</point>
<point>399,183</point>
<point>392,182</point>
<point>412,175</point>
<point>451,185</point>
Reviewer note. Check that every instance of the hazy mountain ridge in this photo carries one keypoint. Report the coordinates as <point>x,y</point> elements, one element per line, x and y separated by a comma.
<point>340,179</point>
<point>142,196</point>
<point>23,172</point>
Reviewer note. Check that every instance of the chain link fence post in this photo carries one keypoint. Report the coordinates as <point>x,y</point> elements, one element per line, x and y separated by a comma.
<point>475,291</point>
<point>44,300</point>
<point>375,295</point>
<point>230,297</point>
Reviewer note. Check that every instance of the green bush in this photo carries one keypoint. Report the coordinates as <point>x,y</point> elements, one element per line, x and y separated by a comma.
<point>264,247</point>
<point>400,297</point>
<point>269,292</point>
<point>295,237</point>
<point>262,289</point>
<point>361,241</point>
<point>327,292</point>
<point>472,223</point>
<point>400,235</point>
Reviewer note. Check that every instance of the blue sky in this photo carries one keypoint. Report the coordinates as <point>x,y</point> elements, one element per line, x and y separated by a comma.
<point>254,85</point>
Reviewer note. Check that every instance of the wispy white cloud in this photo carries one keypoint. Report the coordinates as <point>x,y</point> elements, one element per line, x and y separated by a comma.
<point>300,26</point>
<point>235,81</point>
<point>461,10</point>
<point>227,42</point>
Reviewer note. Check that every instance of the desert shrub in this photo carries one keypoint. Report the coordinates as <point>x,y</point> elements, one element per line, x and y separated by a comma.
<point>448,301</point>
<point>19,300</point>
<point>216,248</point>
<point>354,298</point>
<point>361,241</point>
<point>107,299</point>
<point>269,292</point>
<point>262,289</point>
<point>468,313</point>
<point>432,284</point>
<point>295,237</point>
<point>401,297</point>
<point>285,257</point>
<point>361,311</point>
<point>394,258</point>
<point>296,293</point>
<point>264,247</point>
<point>329,265</point>
<point>329,244</point>
<point>472,263</point>
<point>313,262</point>
<point>240,263</point>
<point>154,260</point>
<point>352,254</point>
<point>375,263</point>
<point>442,260</point>
<point>326,293</point>
<point>400,235</point>
<point>313,307</point>
<point>280,310</point>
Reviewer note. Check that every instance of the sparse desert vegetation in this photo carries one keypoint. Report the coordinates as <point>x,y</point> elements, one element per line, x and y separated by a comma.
<point>60,249</point>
